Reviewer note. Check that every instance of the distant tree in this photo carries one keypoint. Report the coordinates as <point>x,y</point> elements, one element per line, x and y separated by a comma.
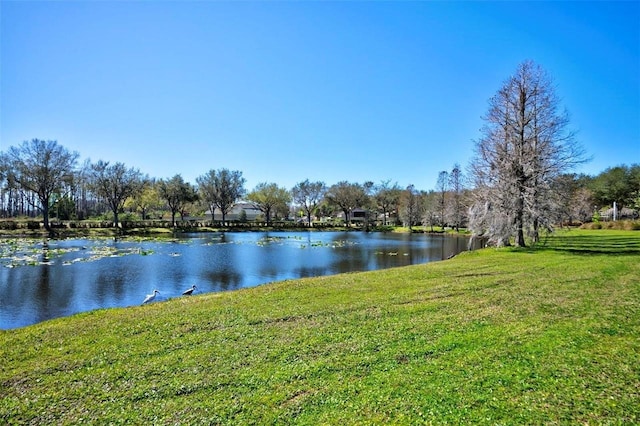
<point>177,193</point>
<point>441,188</point>
<point>582,205</point>
<point>456,189</point>
<point>430,209</point>
<point>326,209</point>
<point>82,190</point>
<point>386,197</point>
<point>564,186</point>
<point>572,199</point>
<point>308,195</point>
<point>525,144</point>
<point>282,210</point>
<point>243,216</point>
<point>368,204</point>
<point>411,210</point>
<point>115,183</point>
<point>4,187</point>
<point>65,207</point>
<point>41,167</point>
<point>148,199</point>
<point>191,199</point>
<point>267,197</point>
<point>208,190</point>
<point>10,191</point>
<point>635,188</point>
<point>221,189</point>
<point>347,196</point>
<point>620,184</point>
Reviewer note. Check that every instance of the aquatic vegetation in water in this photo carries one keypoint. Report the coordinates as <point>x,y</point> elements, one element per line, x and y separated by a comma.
<point>295,240</point>
<point>17,252</point>
<point>22,251</point>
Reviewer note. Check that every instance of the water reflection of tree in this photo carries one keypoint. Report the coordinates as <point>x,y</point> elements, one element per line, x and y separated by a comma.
<point>351,260</point>
<point>44,291</point>
<point>45,252</point>
<point>51,296</point>
<point>42,295</point>
<point>110,283</point>
<point>224,280</point>
<point>304,271</point>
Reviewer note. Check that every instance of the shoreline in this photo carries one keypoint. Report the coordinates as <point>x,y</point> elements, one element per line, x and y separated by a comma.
<point>92,229</point>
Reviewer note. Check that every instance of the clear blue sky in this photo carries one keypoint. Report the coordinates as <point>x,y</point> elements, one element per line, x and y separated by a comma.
<point>285,91</point>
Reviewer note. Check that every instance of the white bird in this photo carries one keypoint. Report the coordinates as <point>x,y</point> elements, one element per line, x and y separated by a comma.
<point>189,291</point>
<point>150,297</point>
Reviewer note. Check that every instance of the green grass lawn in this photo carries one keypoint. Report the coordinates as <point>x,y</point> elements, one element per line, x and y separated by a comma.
<point>509,336</point>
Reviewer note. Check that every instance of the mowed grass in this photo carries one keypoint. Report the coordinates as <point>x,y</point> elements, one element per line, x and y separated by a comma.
<point>536,336</point>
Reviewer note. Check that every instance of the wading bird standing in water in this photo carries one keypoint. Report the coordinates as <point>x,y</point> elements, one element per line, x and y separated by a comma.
<point>189,291</point>
<point>150,297</point>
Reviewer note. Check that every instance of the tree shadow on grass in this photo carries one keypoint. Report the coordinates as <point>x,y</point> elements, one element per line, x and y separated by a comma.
<point>600,244</point>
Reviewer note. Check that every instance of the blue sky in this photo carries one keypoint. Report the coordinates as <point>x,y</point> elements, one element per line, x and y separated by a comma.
<point>285,91</point>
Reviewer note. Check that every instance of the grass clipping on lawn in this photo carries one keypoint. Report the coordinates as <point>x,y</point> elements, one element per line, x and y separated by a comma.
<point>548,335</point>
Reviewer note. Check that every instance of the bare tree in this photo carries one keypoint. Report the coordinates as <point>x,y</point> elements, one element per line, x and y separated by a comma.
<point>456,188</point>
<point>208,190</point>
<point>572,199</point>
<point>582,205</point>
<point>430,209</point>
<point>308,195</point>
<point>10,190</point>
<point>115,183</point>
<point>4,172</point>
<point>41,167</point>
<point>442,186</point>
<point>411,210</point>
<point>525,144</point>
<point>82,181</point>
<point>266,197</point>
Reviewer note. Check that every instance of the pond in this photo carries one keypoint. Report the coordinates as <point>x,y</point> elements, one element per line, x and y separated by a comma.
<point>45,279</point>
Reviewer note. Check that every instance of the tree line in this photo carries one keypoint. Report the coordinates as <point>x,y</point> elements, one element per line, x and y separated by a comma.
<point>518,183</point>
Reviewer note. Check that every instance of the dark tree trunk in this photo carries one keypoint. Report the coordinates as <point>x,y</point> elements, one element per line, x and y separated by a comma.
<point>519,222</point>
<point>536,232</point>
<point>45,215</point>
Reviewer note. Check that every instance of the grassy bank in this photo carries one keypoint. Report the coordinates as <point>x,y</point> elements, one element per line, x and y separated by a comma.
<point>495,336</point>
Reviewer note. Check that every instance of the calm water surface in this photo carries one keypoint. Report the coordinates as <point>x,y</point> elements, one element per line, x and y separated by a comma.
<point>41,280</point>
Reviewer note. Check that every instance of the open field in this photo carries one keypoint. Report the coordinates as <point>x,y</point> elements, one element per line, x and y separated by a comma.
<point>531,336</point>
